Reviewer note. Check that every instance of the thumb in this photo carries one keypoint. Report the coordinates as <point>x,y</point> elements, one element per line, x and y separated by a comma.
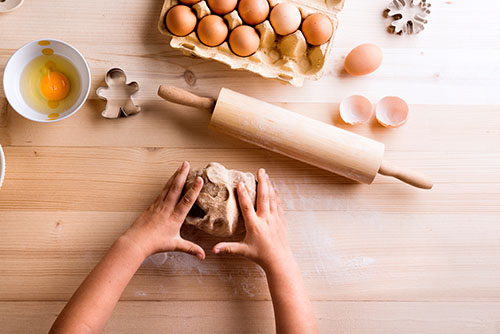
<point>190,248</point>
<point>236,248</point>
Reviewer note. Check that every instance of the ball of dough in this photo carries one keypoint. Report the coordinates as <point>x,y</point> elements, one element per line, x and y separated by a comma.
<point>216,210</point>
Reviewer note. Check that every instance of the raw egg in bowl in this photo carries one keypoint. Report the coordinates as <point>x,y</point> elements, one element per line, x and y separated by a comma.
<point>46,80</point>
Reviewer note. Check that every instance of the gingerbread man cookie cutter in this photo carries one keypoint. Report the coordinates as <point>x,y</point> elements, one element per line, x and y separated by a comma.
<point>118,95</point>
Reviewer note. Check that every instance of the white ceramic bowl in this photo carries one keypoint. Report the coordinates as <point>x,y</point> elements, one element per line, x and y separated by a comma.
<point>2,166</point>
<point>9,5</point>
<point>19,60</point>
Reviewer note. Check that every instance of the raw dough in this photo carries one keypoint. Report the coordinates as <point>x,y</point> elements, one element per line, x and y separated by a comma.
<point>216,210</point>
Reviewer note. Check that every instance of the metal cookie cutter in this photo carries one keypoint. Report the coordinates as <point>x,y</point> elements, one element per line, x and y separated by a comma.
<point>409,16</point>
<point>118,95</point>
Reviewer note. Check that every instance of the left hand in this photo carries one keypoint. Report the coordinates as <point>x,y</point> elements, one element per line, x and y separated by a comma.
<point>158,228</point>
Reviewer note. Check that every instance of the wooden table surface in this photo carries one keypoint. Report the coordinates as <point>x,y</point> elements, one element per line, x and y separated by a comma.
<point>384,258</point>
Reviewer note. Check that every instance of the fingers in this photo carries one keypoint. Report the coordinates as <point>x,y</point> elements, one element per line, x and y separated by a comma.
<point>166,188</point>
<point>279,205</point>
<point>190,248</point>
<point>273,202</point>
<point>177,185</point>
<point>235,248</point>
<point>262,194</point>
<point>186,203</point>
<point>246,204</point>
<point>169,182</point>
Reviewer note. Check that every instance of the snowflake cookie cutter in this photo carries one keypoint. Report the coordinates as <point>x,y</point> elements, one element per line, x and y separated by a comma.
<point>118,95</point>
<point>408,16</point>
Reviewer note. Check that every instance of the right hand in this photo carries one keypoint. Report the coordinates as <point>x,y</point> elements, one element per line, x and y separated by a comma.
<point>265,240</point>
<point>158,228</point>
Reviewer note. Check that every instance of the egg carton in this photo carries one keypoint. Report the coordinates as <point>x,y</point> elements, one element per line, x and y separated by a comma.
<point>286,58</point>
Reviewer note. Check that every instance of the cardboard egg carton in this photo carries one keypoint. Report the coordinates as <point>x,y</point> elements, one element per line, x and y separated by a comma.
<point>286,58</point>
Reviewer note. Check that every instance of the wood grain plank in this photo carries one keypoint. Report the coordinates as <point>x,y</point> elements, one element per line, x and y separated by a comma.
<point>162,124</point>
<point>128,179</point>
<point>384,258</point>
<point>343,255</point>
<point>256,317</point>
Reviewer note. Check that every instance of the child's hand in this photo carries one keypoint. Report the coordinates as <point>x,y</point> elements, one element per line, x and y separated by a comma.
<point>158,228</point>
<point>265,241</point>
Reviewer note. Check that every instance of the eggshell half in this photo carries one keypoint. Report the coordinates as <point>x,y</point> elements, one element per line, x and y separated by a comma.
<point>355,109</point>
<point>392,111</point>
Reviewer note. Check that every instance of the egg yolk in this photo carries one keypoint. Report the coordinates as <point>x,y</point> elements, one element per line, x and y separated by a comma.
<point>54,86</point>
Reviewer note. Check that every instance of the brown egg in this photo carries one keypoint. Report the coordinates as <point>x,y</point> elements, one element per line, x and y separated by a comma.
<point>222,7</point>
<point>212,30</point>
<point>180,20</point>
<point>363,59</point>
<point>285,18</point>
<point>317,29</point>
<point>244,40</point>
<point>253,12</point>
<point>189,2</point>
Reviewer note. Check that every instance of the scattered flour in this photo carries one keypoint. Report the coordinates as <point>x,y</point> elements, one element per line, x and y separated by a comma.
<point>318,256</point>
<point>244,280</point>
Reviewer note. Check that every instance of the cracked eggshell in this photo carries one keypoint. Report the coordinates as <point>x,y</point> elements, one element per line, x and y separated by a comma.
<point>355,109</point>
<point>391,112</point>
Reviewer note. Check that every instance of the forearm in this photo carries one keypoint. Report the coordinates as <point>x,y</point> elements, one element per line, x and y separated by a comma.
<point>92,304</point>
<point>292,308</point>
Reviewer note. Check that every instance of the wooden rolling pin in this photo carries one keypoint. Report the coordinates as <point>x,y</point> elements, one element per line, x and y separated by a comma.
<point>296,136</point>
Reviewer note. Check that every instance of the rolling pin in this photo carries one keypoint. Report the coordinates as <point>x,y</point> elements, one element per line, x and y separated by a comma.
<point>296,136</point>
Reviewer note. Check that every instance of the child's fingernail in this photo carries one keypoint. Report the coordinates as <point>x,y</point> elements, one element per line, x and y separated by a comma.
<point>216,250</point>
<point>262,172</point>
<point>200,256</point>
<point>198,181</point>
<point>184,165</point>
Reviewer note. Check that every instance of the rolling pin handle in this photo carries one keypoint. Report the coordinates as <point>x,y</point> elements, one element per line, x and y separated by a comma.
<point>181,96</point>
<point>406,175</point>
